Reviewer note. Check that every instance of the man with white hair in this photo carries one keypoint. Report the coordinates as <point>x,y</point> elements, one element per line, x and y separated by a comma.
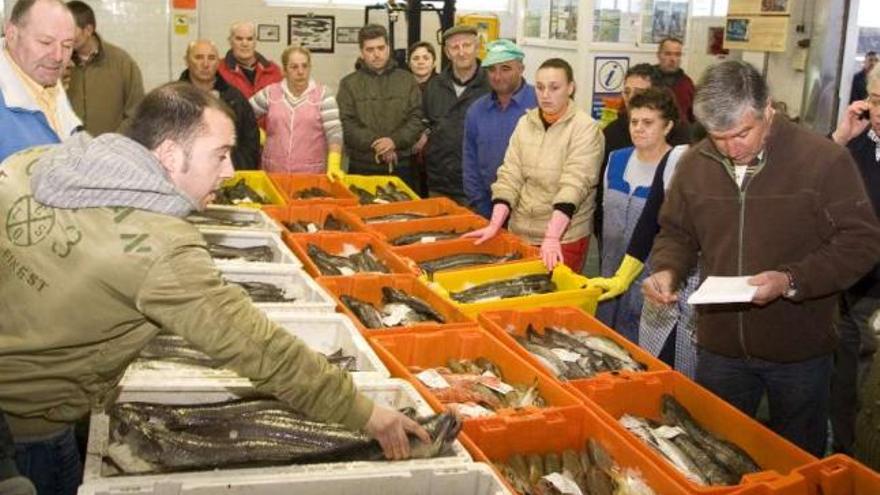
<point>33,106</point>
<point>244,67</point>
<point>795,220</point>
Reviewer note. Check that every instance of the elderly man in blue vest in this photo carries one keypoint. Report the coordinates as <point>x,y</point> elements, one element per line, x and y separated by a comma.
<point>33,106</point>
<point>490,122</point>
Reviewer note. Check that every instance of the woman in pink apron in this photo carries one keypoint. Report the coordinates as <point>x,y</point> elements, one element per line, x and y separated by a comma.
<point>303,130</point>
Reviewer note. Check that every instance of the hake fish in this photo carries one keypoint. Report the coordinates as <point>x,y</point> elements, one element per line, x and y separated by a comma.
<point>240,192</point>
<point>330,264</point>
<point>398,309</point>
<point>399,217</point>
<point>310,193</point>
<point>540,283</point>
<point>263,292</point>
<point>216,219</point>
<point>389,193</point>
<point>253,253</point>
<point>330,223</point>
<point>426,236</point>
<point>464,260</point>
<point>169,438</point>
<point>700,455</point>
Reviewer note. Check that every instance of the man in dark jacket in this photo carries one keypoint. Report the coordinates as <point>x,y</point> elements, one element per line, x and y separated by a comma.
<point>795,220</point>
<point>446,102</point>
<point>859,89</point>
<point>202,60</point>
<point>854,355</point>
<point>380,109</point>
<point>672,76</point>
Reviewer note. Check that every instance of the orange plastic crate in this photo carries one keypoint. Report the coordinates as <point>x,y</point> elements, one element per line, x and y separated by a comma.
<point>335,243</point>
<point>315,213</point>
<point>572,319</point>
<point>500,245</point>
<point>834,475</point>
<point>368,288</point>
<point>434,207</point>
<point>495,439</point>
<point>291,184</point>
<point>457,223</point>
<point>428,349</point>
<point>639,395</point>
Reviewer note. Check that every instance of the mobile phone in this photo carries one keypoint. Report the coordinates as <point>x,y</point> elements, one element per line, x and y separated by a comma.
<point>865,115</point>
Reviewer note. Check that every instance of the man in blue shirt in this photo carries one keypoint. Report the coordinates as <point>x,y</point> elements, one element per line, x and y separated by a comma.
<point>490,122</point>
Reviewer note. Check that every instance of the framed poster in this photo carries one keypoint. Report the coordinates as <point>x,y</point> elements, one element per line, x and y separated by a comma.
<point>269,32</point>
<point>347,35</point>
<point>314,32</point>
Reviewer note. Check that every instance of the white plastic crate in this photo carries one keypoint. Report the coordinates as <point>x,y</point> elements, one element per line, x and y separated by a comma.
<point>281,254</point>
<point>309,296</point>
<point>393,393</point>
<point>254,219</point>
<point>324,333</point>
<point>466,479</point>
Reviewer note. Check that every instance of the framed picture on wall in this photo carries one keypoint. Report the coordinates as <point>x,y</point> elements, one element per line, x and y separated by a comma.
<point>314,32</point>
<point>346,35</point>
<point>269,32</point>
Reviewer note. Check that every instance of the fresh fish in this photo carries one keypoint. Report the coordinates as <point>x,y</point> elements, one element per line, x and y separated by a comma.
<point>642,429</point>
<point>343,361</point>
<point>223,436</point>
<point>311,192</point>
<point>364,197</point>
<point>399,217</point>
<point>426,236</point>
<point>330,264</point>
<point>392,295</point>
<point>715,473</point>
<point>215,219</point>
<point>391,193</point>
<point>331,223</point>
<point>729,455</point>
<point>366,261</point>
<point>253,253</point>
<point>464,260</point>
<point>262,292</point>
<point>366,312</point>
<point>240,192</point>
<point>529,284</point>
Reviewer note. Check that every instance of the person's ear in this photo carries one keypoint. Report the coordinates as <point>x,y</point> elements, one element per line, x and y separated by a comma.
<point>170,156</point>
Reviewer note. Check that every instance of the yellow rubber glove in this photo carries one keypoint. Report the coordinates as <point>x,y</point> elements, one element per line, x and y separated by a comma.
<point>262,137</point>
<point>627,272</point>
<point>334,166</point>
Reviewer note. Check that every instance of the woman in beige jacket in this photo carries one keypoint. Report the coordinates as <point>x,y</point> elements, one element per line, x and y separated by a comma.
<point>547,183</point>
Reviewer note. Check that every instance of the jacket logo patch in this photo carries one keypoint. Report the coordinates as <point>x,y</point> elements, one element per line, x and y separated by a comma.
<point>134,243</point>
<point>28,222</point>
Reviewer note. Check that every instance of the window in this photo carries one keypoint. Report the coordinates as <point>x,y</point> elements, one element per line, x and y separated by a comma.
<point>709,8</point>
<point>551,19</point>
<point>460,5</point>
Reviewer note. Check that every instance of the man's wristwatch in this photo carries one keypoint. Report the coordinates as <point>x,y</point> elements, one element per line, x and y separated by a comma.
<point>791,291</point>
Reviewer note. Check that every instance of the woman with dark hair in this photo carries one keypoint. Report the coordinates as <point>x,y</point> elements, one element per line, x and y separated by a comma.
<point>635,180</point>
<point>547,183</point>
<point>422,62</point>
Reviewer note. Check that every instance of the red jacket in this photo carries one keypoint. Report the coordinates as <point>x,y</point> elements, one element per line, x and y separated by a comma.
<point>267,73</point>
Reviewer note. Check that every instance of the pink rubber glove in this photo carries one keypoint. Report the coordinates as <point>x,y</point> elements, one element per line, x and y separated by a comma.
<point>499,215</point>
<point>551,248</point>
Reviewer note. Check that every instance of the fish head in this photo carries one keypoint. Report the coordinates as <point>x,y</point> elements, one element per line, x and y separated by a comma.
<point>442,428</point>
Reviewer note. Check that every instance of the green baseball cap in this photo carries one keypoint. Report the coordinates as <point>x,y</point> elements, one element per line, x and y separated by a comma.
<point>500,51</point>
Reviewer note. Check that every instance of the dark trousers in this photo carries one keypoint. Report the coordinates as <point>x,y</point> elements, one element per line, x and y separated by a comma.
<point>404,171</point>
<point>52,464</point>
<point>797,393</point>
<point>852,358</point>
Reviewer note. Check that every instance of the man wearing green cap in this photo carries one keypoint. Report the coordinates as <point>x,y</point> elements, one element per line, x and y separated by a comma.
<point>490,122</point>
<point>446,101</point>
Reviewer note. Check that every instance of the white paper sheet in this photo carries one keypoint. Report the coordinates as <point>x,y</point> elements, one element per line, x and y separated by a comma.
<point>719,290</point>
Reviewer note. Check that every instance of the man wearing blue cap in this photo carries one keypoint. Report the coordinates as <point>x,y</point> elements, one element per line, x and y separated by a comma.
<point>490,122</point>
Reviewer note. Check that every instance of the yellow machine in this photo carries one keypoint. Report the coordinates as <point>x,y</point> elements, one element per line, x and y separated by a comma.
<point>487,25</point>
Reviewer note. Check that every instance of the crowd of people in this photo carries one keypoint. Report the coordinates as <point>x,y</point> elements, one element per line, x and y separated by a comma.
<point>691,180</point>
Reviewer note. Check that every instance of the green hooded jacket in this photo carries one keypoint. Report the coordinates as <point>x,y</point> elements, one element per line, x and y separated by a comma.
<point>95,258</point>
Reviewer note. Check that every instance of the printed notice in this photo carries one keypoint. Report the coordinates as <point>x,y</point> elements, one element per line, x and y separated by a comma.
<point>722,290</point>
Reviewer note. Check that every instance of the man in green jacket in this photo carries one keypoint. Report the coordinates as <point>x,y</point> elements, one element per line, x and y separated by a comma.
<point>96,257</point>
<point>380,109</point>
<point>105,82</point>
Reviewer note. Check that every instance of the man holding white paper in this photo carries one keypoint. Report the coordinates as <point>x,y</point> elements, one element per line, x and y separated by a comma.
<point>765,198</point>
